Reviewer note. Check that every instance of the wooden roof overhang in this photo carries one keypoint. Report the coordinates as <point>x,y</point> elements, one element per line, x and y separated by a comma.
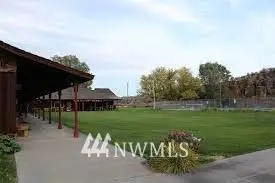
<point>85,94</point>
<point>38,76</point>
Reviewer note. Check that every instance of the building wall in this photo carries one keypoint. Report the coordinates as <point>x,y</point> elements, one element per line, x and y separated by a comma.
<point>7,94</point>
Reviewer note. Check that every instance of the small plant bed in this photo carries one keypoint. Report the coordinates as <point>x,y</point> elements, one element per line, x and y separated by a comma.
<point>181,154</point>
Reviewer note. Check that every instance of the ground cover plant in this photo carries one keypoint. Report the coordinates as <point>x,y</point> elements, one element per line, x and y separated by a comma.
<point>8,145</point>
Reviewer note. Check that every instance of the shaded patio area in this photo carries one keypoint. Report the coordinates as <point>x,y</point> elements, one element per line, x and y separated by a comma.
<point>24,78</point>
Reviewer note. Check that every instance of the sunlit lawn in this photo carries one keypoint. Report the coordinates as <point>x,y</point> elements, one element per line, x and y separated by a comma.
<point>223,133</point>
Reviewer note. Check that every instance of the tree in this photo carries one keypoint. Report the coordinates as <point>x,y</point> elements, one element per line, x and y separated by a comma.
<point>73,62</point>
<point>215,78</point>
<point>188,86</point>
<point>258,84</point>
<point>170,84</point>
<point>159,82</point>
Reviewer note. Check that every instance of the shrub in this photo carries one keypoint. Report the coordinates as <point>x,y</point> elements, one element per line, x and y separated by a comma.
<point>184,137</point>
<point>8,145</point>
<point>174,165</point>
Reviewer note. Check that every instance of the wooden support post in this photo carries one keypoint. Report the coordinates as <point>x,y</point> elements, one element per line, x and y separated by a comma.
<point>95,105</point>
<point>35,112</point>
<point>32,110</point>
<point>39,109</point>
<point>83,106</point>
<point>39,116</point>
<point>7,98</point>
<point>43,109</point>
<point>50,108</point>
<point>76,132</point>
<point>59,111</point>
<point>106,105</point>
<point>26,110</point>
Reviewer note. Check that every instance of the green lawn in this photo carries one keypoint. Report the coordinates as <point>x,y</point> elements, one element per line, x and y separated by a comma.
<point>7,169</point>
<point>223,133</point>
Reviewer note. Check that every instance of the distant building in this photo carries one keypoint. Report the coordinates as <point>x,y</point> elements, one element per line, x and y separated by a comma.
<point>98,99</point>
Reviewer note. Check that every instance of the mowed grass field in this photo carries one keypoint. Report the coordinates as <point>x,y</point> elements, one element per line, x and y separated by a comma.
<point>223,133</point>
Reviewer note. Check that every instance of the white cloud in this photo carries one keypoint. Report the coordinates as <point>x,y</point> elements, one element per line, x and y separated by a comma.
<point>236,3</point>
<point>167,9</point>
<point>176,11</point>
<point>123,43</point>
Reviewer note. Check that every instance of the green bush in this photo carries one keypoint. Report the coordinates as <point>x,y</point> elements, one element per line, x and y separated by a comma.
<point>184,137</point>
<point>8,145</point>
<point>174,165</point>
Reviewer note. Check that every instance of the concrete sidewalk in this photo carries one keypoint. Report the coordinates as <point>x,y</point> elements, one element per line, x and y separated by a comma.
<point>258,167</point>
<point>50,155</point>
<point>53,156</point>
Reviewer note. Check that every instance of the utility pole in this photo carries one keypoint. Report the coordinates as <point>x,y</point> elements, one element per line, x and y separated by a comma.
<point>220,84</point>
<point>127,88</point>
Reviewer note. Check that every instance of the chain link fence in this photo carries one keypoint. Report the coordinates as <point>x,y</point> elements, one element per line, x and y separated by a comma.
<point>239,103</point>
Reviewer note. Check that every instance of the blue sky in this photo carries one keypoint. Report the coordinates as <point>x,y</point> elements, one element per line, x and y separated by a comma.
<point>123,39</point>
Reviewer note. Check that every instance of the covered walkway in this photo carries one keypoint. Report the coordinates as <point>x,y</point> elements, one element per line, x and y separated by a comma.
<point>24,78</point>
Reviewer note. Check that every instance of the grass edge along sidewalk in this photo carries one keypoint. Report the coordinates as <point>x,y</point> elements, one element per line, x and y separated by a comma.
<point>8,172</point>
